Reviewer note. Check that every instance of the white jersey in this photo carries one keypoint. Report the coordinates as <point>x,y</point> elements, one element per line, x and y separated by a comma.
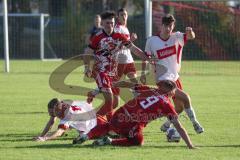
<point>85,112</point>
<point>124,55</point>
<point>168,54</point>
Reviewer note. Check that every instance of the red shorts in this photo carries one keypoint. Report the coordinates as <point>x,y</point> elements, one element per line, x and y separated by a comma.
<point>103,80</point>
<point>126,69</point>
<point>179,84</point>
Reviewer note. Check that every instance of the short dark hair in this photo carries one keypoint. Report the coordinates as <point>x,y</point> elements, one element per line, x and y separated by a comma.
<point>121,10</point>
<point>52,103</point>
<point>168,19</point>
<point>108,15</point>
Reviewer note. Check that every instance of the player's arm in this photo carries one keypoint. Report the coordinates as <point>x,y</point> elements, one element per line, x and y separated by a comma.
<point>189,33</point>
<point>86,60</point>
<point>59,132</point>
<point>137,51</point>
<point>183,133</point>
<point>47,127</point>
<point>124,84</point>
<point>145,65</point>
<point>133,37</point>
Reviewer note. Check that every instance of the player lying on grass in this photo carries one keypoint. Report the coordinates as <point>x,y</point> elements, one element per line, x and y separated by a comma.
<point>130,119</point>
<point>72,114</point>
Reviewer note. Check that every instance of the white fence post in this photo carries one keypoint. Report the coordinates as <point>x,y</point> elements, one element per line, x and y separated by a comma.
<point>42,36</point>
<point>5,32</point>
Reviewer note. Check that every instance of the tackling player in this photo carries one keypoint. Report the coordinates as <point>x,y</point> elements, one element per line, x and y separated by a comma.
<point>130,119</point>
<point>166,49</point>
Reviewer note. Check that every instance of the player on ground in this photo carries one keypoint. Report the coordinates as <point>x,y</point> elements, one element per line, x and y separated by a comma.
<point>68,112</point>
<point>130,119</point>
<point>166,48</point>
<point>105,45</point>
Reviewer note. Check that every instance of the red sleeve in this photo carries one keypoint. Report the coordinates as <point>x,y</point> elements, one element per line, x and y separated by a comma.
<point>122,37</point>
<point>185,38</point>
<point>94,42</point>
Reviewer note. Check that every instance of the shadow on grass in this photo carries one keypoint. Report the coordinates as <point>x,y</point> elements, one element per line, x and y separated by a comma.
<point>21,137</point>
<point>24,113</point>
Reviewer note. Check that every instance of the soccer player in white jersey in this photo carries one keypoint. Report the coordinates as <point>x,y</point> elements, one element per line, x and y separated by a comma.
<point>166,50</point>
<point>77,115</point>
<point>125,60</point>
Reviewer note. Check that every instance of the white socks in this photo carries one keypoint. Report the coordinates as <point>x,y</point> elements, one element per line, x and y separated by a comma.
<point>191,114</point>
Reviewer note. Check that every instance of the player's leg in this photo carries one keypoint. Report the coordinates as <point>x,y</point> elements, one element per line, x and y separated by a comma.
<point>186,100</point>
<point>133,138</point>
<point>101,129</point>
<point>105,84</point>
<point>131,72</point>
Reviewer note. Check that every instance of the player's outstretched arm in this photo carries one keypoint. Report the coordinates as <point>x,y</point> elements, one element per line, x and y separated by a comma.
<point>124,84</point>
<point>182,132</point>
<point>88,53</point>
<point>143,73</point>
<point>54,135</point>
<point>138,52</point>
<point>47,128</point>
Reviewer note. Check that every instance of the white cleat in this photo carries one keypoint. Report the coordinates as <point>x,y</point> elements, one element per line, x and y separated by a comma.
<point>103,141</point>
<point>164,128</point>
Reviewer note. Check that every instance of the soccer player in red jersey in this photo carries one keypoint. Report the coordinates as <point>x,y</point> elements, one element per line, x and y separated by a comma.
<point>130,119</point>
<point>105,45</point>
<point>166,49</point>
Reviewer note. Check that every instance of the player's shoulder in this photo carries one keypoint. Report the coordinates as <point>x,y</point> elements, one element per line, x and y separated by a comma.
<point>152,38</point>
<point>177,34</point>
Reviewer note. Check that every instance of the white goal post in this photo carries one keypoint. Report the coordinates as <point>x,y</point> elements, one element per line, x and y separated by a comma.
<point>148,17</point>
<point>42,26</point>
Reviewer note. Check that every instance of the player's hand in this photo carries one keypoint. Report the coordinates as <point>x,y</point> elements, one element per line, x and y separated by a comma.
<point>143,78</point>
<point>188,29</point>
<point>193,147</point>
<point>41,139</point>
<point>133,37</point>
<point>88,73</point>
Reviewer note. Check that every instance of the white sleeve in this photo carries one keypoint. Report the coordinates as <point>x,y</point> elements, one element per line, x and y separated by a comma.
<point>181,38</point>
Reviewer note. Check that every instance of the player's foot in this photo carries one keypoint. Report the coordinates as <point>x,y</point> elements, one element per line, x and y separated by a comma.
<point>102,141</point>
<point>164,128</point>
<point>198,128</point>
<point>80,139</point>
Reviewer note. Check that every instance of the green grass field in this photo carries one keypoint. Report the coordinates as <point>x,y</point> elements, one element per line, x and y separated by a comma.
<point>213,86</point>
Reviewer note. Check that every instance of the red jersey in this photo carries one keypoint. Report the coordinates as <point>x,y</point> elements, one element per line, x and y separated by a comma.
<point>149,105</point>
<point>106,47</point>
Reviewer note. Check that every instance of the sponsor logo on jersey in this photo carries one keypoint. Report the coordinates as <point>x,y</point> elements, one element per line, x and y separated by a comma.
<point>166,52</point>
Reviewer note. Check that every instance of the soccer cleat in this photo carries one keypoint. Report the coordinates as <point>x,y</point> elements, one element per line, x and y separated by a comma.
<point>103,141</point>
<point>198,128</point>
<point>80,139</point>
<point>164,128</point>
